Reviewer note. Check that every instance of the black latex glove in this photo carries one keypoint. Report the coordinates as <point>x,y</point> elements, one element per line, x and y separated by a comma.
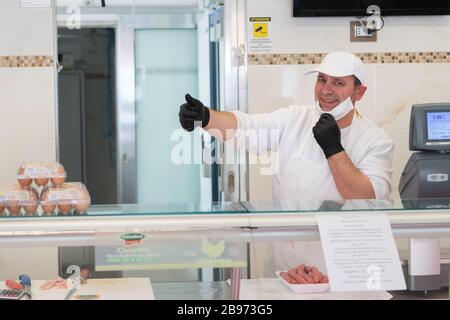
<point>328,135</point>
<point>330,205</point>
<point>193,111</point>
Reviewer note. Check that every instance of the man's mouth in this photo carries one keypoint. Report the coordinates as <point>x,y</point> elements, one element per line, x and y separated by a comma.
<point>328,103</point>
<point>328,100</point>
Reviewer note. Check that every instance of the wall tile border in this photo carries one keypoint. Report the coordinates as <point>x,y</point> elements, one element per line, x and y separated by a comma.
<point>366,57</point>
<point>26,61</point>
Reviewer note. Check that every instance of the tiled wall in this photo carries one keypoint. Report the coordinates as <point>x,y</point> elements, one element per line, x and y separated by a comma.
<point>27,113</point>
<point>409,64</point>
<point>26,61</point>
<point>366,57</point>
<point>27,90</point>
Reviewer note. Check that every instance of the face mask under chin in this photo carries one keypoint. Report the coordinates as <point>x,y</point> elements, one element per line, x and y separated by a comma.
<point>341,110</point>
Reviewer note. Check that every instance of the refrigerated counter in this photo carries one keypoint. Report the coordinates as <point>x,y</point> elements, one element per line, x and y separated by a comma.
<point>220,245</point>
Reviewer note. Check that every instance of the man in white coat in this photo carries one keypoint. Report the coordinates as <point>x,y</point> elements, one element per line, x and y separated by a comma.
<point>327,151</point>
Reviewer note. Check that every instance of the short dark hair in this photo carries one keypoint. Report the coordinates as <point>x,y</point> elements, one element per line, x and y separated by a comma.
<point>357,81</point>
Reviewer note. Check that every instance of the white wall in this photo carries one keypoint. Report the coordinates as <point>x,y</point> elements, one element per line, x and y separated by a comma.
<point>323,34</point>
<point>27,108</point>
<point>392,88</point>
<point>27,105</point>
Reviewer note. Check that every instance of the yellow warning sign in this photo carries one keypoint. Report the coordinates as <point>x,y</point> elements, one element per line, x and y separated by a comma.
<point>260,19</point>
<point>259,34</point>
<point>260,30</point>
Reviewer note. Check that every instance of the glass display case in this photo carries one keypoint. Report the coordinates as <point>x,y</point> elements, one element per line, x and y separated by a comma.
<point>198,251</point>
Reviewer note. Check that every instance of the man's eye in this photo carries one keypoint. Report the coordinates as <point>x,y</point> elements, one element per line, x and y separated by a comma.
<point>339,83</point>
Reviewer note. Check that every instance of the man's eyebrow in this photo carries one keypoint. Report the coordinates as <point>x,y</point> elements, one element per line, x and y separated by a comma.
<point>339,79</point>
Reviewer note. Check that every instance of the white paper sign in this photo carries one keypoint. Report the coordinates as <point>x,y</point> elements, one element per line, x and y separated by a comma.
<point>35,3</point>
<point>360,252</point>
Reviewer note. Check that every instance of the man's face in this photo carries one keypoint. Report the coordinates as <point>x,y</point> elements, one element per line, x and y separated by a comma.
<point>331,91</point>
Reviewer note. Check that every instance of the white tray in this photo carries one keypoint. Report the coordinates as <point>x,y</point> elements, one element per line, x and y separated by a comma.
<point>305,288</point>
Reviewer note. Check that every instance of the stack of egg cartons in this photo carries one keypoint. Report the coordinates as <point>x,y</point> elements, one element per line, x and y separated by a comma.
<point>43,183</point>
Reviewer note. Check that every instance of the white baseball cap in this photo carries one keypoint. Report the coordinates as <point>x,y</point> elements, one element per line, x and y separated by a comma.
<point>341,64</point>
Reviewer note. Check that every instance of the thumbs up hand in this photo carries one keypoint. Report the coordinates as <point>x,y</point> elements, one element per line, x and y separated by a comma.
<point>193,113</point>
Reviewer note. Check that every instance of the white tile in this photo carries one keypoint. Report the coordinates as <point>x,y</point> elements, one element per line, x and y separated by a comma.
<point>25,31</point>
<point>278,86</point>
<point>27,103</point>
<point>16,152</point>
<point>399,86</point>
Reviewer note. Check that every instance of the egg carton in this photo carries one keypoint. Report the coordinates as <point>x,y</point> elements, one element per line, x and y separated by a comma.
<point>64,207</point>
<point>19,208</point>
<point>36,208</point>
<point>16,201</point>
<point>66,198</point>
<point>41,173</point>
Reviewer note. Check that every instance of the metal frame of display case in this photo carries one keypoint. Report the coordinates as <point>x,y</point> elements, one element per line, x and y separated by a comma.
<point>419,222</point>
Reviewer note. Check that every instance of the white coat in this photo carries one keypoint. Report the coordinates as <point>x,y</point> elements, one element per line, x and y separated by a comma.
<point>303,173</point>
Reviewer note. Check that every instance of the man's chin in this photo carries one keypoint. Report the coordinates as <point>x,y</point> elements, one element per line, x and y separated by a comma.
<point>327,108</point>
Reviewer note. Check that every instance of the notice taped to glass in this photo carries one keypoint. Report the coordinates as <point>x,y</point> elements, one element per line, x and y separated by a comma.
<point>360,252</point>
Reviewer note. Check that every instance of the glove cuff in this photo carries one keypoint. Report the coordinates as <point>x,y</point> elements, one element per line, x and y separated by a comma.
<point>205,118</point>
<point>332,151</point>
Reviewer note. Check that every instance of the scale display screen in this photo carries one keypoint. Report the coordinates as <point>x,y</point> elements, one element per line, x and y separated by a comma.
<point>438,126</point>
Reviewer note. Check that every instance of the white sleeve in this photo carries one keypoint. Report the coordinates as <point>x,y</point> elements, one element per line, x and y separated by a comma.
<point>260,133</point>
<point>377,165</point>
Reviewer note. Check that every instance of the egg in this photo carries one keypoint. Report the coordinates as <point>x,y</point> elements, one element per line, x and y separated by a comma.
<point>64,208</point>
<point>13,207</point>
<point>81,207</point>
<point>61,173</point>
<point>42,181</point>
<point>30,208</point>
<point>25,182</point>
<point>48,208</point>
<point>57,181</point>
<point>83,203</point>
<point>31,205</point>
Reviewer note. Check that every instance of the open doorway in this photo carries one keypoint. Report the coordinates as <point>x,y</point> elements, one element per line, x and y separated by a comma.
<point>87,110</point>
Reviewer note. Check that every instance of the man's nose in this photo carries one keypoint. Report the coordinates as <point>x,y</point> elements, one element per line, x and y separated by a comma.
<point>326,89</point>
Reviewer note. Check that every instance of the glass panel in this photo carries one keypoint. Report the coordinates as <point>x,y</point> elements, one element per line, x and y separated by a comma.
<point>166,69</point>
<point>90,42</point>
<point>127,265</point>
<point>294,208</point>
<point>349,205</point>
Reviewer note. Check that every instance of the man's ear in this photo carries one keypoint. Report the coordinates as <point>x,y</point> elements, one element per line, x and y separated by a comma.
<point>360,91</point>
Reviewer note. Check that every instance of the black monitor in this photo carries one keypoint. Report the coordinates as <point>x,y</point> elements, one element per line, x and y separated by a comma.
<point>314,8</point>
<point>429,127</point>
